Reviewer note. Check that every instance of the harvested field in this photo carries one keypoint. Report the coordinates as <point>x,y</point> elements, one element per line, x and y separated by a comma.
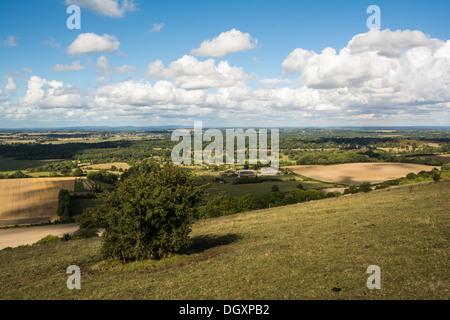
<point>357,173</point>
<point>32,200</point>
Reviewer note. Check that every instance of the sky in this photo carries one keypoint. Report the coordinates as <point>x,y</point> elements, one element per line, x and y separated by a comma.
<point>227,63</point>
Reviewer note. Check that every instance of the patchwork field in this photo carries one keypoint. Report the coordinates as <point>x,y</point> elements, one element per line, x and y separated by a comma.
<point>357,173</point>
<point>32,200</point>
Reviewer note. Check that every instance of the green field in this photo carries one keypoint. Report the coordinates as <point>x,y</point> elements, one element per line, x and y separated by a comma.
<point>285,184</point>
<point>9,164</point>
<point>299,251</point>
<point>42,174</point>
<point>265,187</point>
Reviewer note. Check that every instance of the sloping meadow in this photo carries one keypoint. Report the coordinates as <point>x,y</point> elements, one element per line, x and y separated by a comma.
<point>314,250</point>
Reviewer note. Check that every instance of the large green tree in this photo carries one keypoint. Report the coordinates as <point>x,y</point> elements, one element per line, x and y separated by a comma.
<point>148,215</point>
<point>63,209</point>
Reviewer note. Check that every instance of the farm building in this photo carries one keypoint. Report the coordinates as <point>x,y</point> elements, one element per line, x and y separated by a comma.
<point>229,173</point>
<point>268,171</point>
<point>247,173</point>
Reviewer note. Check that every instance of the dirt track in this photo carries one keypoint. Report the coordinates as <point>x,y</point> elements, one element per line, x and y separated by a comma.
<point>22,236</point>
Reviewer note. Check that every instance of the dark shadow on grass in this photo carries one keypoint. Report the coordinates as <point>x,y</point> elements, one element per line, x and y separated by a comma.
<point>203,243</point>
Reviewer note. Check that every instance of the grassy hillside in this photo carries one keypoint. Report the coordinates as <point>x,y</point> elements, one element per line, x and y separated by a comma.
<point>300,251</point>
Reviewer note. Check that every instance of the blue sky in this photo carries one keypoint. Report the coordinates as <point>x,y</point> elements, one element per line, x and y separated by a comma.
<point>264,80</point>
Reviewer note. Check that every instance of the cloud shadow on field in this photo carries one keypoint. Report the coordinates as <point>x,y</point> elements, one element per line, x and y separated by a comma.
<point>347,180</point>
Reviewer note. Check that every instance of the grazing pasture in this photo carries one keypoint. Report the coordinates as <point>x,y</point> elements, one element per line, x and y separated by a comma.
<point>32,200</point>
<point>357,173</point>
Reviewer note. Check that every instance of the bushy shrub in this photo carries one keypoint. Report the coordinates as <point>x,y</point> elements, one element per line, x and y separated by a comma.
<point>365,187</point>
<point>222,204</point>
<point>423,174</point>
<point>149,214</point>
<point>47,239</point>
<point>333,194</point>
<point>84,233</point>
<point>103,176</point>
<point>219,205</point>
<point>436,177</point>
<point>411,176</point>
<point>18,175</point>
<point>78,172</point>
<point>383,185</point>
<point>351,190</point>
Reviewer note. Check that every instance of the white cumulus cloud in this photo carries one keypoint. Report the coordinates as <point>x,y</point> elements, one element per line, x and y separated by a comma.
<point>104,69</point>
<point>405,65</point>
<point>76,66</point>
<point>190,73</point>
<point>107,8</point>
<point>48,94</point>
<point>388,42</point>
<point>90,42</point>
<point>379,78</point>
<point>296,61</point>
<point>227,42</point>
<point>10,86</point>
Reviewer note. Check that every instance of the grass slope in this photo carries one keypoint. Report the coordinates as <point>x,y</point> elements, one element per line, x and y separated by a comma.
<point>300,251</point>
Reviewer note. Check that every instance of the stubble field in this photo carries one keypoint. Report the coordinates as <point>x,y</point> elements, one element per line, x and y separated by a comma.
<point>32,200</point>
<point>357,173</point>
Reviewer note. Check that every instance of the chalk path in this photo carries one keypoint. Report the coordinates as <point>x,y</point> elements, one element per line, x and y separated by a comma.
<point>22,236</point>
